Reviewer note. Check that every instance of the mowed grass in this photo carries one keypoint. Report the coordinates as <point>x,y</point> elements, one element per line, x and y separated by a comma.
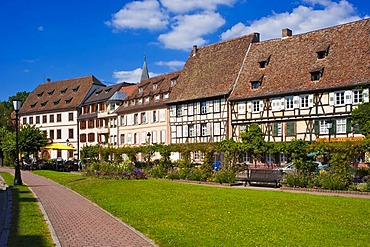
<point>28,227</point>
<point>177,214</point>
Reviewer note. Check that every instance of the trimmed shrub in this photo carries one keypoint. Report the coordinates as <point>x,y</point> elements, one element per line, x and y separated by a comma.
<point>224,176</point>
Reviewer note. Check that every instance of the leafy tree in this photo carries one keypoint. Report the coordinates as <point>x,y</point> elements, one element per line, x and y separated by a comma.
<point>254,142</point>
<point>3,133</point>
<point>232,150</point>
<point>6,108</point>
<point>361,118</point>
<point>31,139</point>
<point>297,150</point>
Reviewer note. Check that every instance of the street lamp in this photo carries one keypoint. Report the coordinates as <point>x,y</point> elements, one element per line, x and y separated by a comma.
<point>329,125</point>
<point>148,135</point>
<point>17,103</point>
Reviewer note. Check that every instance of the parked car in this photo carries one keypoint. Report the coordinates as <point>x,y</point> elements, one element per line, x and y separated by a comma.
<point>287,168</point>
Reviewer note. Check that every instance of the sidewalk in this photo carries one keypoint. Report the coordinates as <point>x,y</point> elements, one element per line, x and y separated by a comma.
<point>5,212</point>
<point>75,221</point>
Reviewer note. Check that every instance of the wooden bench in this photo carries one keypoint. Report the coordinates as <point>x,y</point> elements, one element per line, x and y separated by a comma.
<point>261,176</point>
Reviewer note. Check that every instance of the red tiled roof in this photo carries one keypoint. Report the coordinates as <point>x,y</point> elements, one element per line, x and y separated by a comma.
<point>59,95</point>
<point>293,58</point>
<point>163,83</point>
<point>212,71</point>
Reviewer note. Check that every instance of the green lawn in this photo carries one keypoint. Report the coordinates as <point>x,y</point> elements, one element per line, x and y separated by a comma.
<point>28,227</point>
<point>176,214</point>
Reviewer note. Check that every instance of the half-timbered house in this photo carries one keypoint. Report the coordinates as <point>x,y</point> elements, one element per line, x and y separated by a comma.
<point>304,86</point>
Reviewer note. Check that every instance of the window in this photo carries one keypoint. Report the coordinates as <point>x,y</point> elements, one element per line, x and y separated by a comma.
<point>289,103</point>
<point>166,96</point>
<point>357,96</point>
<point>341,126</point>
<point>91,123</point>
<point>140,101</point>
<point>37,119</point>
<point>203,107</point>
<point>70,134</point>
<point>157,98</point>
<point>83,124</point>
<point>122,138</point>
<point>51,118</point>
<point>163,136</point>
<point>70,116</point>
<point>24,120</point>
<point>51,134</point>
<point>155,86</point>
<point>324,124</point>
<point>191,130</point>
<point>255,84</point>
<point>304,101</point>
<point>203,128</point>
<point>83,137</point>
<point>217,129</point>
<point>59,153</point>
<point>91,137</point>
<point>123,120</point>
<point>339,98</point>
<point>59,134</point>
<point>277,129</point>
<point>155,117</point>
<point>143,117</point>
<point>256,106</point>
<point>136,118</point>
<point>316,74</point>
<point>59,117</point>
<point>44,119</point>
<point>162,115</point>
<point>190,109</point>
<point>178,111</point>
<point>321,54</point>
<point>196,155</point>
<point>217,105</point>
<point>241,107</point>
<point>263,64</point>
<point>30,120</point>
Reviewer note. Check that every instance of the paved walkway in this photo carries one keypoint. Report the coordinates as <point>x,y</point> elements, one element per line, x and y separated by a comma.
<point>76,221</point>
<point>5,212</point>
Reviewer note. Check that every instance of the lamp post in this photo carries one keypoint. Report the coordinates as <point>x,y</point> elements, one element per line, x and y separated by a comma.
<point>17,177</point>
<point>329,125</point>
<point>148,135</point>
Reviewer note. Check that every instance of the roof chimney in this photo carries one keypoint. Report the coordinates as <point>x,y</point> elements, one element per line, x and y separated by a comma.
<point>286,32</point>
<point>195,49</point>
<point>256,38</point>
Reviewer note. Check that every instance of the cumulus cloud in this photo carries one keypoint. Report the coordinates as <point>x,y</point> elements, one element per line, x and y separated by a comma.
<point>40,28</point>
<point>145,14</point>
<point>173,65</point>
<point>132,76</point>
<point>188,30</point>
<point>301,19</point>
<point>185,6</point>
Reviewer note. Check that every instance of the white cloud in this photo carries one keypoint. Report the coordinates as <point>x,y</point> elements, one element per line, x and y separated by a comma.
<point>40,28</point>
<point>26,71</point>
<point>302,19</point>
<point>145,14</point>
<point>187,30</point>
<point>173,65</point>
<point>185,6</point>
<point>132,76</point>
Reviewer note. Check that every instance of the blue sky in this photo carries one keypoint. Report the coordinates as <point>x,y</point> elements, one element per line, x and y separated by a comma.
<point>61,39</point>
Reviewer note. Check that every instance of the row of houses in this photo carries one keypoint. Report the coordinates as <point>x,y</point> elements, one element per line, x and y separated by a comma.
<point>291,86</point>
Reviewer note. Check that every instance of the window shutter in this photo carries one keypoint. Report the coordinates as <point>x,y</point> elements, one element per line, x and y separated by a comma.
<point>333,129</point>
<point>310,100</point>
<point>296,101</point>
<point>365,95</point>
<point>261,105</point>
<point>146,117</point>
<point>348,97</point>
<point>290,129</point>
<point>317,127</point>
<point>198,108</point>
<point>349,125</point>
<point>275,129</point>
<point>198,130</point>
<point>172,110</point>
<point>190,109</point>
<point>143,136</point>
<point>208,107</point>
<point>282,104</point>
<point>250,106</point>
<point>179,131</point>
<point>162,115</point>
<point>208,129</point>
<point>241,108</point>
<point>185,130</point>
<point>138,118</point>
<point>154,136</point>
<point>123,120</point>
<point>331,98</point>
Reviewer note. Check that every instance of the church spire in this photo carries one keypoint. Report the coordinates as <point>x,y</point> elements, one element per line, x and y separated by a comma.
<point>144,73</point>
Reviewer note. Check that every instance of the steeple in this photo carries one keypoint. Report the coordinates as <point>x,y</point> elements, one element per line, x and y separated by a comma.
<point>144,73</point>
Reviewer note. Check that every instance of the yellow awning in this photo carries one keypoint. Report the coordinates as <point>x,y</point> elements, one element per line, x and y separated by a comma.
<point>59,146</point>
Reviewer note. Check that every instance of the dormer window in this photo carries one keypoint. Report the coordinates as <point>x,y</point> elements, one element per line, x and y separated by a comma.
<point>166,96</point>
<point>75,89</point>
<point>107,90</point>
<point>140,90</point>
<point>33,105</point>
<point>69,100</point>
<point>40,94</point>
<point>256,83</point>
<point>316,74</point>
<point>56,102</point>
<point>63,91</point>
<point>323,53</point>
<point>133,102</point>
<point>97,92</point>
<point>51,92</point>
<point>155,86</point>
<point>147,100</point>
<point>173,83</point>
<point>44,103</point>
<point>157,98</point>
<point>264,63</point>
<point>140,101</point>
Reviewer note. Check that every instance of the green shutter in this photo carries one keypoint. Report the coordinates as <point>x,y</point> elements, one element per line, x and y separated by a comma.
<point>333,129</point>
<point>290,128</point>
<point>317,127</point>
<point>349,125</point>
<point>275,129</point>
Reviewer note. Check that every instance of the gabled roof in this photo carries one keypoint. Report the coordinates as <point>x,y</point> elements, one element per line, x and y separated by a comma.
<point>103,94</point>
<point>292,60</point>
<point>150,88</point>
<point>59,95</point>
<point>212,70</point>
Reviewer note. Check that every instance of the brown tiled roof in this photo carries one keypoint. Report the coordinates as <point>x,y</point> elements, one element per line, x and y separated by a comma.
<point>59,95</point>
<point>292,59</point>
<point>163,83</point>
<point>212,71</point>
<point>128,89</point>
<point>103,93</point>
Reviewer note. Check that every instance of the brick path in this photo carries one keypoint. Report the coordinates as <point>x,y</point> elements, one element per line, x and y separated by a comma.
<point>78,222</point>
<point>5,212</point>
